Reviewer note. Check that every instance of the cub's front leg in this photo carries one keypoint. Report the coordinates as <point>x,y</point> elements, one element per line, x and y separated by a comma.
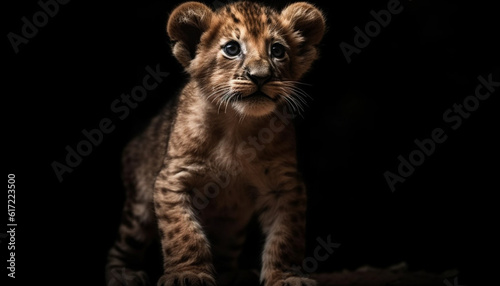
<point>282,215</point>
<point>186,252</point>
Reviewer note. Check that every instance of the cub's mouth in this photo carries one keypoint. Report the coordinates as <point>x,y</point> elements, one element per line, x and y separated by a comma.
<point>257,104</point>
<point>256,97</point>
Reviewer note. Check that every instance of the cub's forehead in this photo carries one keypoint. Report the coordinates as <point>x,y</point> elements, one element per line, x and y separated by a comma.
<point>248,17</point>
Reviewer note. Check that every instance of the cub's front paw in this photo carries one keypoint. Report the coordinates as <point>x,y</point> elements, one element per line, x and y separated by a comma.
<point>295,281</point>
<point>186,278</point>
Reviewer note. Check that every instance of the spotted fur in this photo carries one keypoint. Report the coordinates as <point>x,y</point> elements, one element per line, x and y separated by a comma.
<point>224,152</point>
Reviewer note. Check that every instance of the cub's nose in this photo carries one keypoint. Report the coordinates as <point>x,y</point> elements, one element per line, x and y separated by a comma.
<point>259,72</point>
<point>259,79</point>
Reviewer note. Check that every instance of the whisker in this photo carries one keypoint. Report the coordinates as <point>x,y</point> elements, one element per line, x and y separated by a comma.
<point>227,100</point>
<point>220,94</point>
<point>290,104</point>
<point>294,82</point>
<point>295,97</point>
<point>300,95</point>
<point>242,117</point>
<point>294,104</point>
<point>298,89</point>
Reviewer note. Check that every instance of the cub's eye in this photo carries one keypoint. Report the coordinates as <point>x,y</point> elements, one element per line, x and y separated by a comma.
<point>278,51</point>
<point>232,49</point>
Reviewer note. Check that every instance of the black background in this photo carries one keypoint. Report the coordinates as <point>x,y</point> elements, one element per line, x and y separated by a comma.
<point>363,116</point>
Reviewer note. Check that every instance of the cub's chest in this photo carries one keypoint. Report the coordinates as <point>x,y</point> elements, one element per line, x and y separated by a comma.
<point>241,161</point>
<point>229,191</point>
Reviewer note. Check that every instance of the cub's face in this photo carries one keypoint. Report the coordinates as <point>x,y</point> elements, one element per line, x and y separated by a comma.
<point>246,56</point>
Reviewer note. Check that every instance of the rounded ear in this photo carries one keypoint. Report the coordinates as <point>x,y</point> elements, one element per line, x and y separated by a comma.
<point>185,26</point>
<point>307,20</point>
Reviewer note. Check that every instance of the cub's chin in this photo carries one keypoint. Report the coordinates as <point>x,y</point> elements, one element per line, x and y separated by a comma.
<point>256,104</point>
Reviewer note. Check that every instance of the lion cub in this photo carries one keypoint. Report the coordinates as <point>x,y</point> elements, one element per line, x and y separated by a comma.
<point>224,151</point>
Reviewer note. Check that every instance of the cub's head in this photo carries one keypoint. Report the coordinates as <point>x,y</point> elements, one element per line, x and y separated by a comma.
<point>247,56</point>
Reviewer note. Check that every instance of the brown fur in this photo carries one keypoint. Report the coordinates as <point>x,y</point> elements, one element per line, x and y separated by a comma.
<point>225,152</point>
